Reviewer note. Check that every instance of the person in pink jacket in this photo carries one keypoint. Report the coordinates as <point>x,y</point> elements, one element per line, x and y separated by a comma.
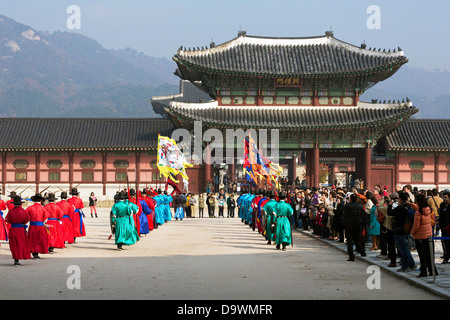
<point>421,231</point>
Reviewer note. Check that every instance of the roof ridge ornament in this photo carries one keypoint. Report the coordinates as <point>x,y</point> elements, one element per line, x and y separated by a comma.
<point>242,33</point>
<point>329,33</point>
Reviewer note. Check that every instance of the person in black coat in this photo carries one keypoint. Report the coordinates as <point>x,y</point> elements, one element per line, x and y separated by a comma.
<point>444,222</point>
<point>351,218</point>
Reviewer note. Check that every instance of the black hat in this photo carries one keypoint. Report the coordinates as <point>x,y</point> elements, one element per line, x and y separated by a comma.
<point>74,191</point>
<point>51,197</point>
<point>13,194</point>
<point>132,192</point>
<point>63,195</point>
<point>282,195</point>
<point>37,197</point>
<point>122,195</point>
<point>17,200</point>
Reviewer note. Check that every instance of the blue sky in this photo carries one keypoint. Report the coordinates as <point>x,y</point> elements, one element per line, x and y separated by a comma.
<point>158,28</point>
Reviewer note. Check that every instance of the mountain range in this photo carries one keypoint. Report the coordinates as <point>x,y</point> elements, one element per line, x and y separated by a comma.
<point>65,74</point>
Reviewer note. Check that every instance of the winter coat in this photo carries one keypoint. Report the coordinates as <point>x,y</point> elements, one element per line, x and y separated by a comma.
<point>201,202</point>
<point>422,223</point>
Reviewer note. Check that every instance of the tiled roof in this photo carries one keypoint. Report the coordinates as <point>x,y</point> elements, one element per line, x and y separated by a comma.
<point>294,117</point>
<point>421,135</point>
<point>20,134</point>
<point>310,56</point>
<point>189,92</point>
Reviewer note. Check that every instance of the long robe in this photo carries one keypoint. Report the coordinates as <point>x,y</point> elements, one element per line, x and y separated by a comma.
<point>18,239</point>
<point>37,233</point>
<point>56,236</point>
<point>143,217</point>
<point>77,219</point>
<point>283,211</point>
<point>167,212</point>
<point>159,209</point>
<point>268,209</point>
<point>4,226</point>
<point>151,217</point>
<point>67,225</point>
<point>125,230</point>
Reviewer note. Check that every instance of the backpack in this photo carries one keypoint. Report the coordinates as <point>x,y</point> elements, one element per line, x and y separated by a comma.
<point>364,217</point>
<point>407,227</point>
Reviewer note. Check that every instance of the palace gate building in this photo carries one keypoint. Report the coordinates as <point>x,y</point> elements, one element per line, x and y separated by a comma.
<point>307,88</point>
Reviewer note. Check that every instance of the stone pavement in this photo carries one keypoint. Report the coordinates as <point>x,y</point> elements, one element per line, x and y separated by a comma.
<point>440,285</point>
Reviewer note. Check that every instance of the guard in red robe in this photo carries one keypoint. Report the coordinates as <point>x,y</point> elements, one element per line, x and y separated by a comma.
<point>37,233</point>
<point>18,218</point>
<point>77,220</point>
<point>151,205</point>
<point>10,203</point>
<point>68,213</point>
<point>132,198</point>
<point>4,226</point>
<point>55,228</point>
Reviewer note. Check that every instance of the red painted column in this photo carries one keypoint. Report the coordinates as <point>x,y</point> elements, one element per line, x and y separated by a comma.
<point>38,170</point>
<point>70,170</point>
<point>104,172</point>
<point>315,167</point>
<point>308,167</point>
<point>138,170</point>
<point>436,169</point>
<point>396,172</point>
<point>367,169</point>
<point>294,168</point>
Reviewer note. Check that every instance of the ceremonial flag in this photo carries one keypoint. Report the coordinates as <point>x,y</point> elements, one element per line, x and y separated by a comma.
<point>248,168</point>
<point>171,161</point>
<point>256,165</point>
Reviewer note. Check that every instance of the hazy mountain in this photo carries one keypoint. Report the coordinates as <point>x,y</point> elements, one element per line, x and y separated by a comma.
<point>428,90</point>
<point>67,74</point>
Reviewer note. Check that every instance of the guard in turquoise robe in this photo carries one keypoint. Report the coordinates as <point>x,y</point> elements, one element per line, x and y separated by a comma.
<point>159,208</point>
<point>283,211</point>
<point>122,219</point>
<point>167,212</point>
<point>270,217</point>
<point>248,208</point>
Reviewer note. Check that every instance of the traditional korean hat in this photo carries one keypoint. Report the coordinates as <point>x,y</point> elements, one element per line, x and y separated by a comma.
<point>51,197</point>
<point>17,200</point>
<point>13,194</point>
<point>37,197</point>
<point>74,191</point>
<point>63,195</point>
<point>122,195</point>
<point>132,192</point>
<point>282,195</point>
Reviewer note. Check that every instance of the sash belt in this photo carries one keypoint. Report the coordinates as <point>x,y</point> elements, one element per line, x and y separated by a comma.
<point>18,225</point>
<point>37,223</point>
<point>81,219</point>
